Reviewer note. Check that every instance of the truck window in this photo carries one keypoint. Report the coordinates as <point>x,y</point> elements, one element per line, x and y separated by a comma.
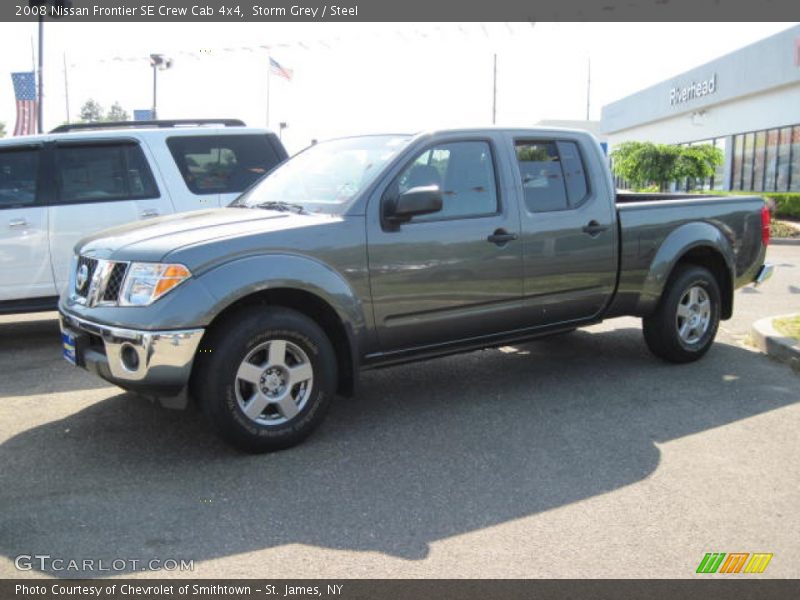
<point>553,175</point>
<point>574,172</point>
<point>219,164</point>
<point>463,171</point>
<point>103,172</point>
<point>18,169</point>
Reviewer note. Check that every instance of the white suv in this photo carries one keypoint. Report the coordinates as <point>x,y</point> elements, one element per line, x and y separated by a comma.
<point>58,187</point>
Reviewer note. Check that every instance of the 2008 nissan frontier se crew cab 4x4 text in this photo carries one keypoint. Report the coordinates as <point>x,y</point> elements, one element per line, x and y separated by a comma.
<point>374,250</point>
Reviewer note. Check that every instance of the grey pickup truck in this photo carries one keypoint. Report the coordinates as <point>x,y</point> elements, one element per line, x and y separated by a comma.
<point>370,251</point>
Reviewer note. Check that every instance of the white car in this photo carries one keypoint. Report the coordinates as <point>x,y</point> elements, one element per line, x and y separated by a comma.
<point>58,187</point>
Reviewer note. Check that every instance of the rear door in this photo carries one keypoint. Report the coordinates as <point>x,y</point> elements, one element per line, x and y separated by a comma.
<point>568,230</point>
<point>215,169</point>
<point>99,184</point>
<point>24,253</point>
<point>452,275</point>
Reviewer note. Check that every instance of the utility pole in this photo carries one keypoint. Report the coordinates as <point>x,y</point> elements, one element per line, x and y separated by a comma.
<point>66,86</point>
<point>494,91</point>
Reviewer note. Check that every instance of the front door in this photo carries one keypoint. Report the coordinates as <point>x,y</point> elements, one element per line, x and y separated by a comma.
<point>451,275</point>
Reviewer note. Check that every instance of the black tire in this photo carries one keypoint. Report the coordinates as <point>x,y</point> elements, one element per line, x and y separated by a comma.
<point>221,393</point>
<point>661,329</point>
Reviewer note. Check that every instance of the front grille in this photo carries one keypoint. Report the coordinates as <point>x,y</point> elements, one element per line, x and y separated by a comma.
<point>91,265</point>
<point>98,280</point>
<point>114,284</point>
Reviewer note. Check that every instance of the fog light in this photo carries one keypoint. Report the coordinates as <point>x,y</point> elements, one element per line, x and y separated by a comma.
<point>129,357</point>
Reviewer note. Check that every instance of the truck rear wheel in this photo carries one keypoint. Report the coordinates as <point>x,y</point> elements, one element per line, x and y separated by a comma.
<point>265,378</point>
<point>685,323</point>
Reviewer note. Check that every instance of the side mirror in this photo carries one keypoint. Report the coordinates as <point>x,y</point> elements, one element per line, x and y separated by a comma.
<point>417,201</point>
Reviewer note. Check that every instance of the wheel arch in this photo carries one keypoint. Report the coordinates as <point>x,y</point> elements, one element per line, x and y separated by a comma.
<point>700,244</point>
<point>300,284</point>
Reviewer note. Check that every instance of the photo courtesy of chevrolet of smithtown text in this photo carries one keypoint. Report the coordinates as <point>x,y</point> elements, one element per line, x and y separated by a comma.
<point>399,300</point>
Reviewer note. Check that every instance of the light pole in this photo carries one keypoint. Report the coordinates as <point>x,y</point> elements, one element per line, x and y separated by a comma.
<point>159,62</point>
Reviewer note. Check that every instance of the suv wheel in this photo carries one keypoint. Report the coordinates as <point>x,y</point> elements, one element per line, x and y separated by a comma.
<point>265,378</point>
<point>686,321</point>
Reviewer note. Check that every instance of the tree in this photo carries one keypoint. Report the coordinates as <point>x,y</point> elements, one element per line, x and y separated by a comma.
<point>91,112</point>
<point>698,162</point>
<point>2,129</point>
<point>117,113</point>
<point>644,164</point>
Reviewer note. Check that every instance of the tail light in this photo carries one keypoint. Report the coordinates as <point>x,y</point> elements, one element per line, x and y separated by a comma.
<point>765,218</point>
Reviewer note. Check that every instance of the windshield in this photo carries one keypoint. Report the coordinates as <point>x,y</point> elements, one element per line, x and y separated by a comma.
<point>325,177</point>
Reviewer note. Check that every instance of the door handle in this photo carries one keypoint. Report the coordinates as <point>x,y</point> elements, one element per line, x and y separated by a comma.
<point>593,228</point>
<point>147,213</point>
<point>17,223</point>
<point>501,237</point>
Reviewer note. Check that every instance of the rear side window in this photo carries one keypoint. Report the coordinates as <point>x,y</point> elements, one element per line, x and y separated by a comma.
<point>463,171</point>
<point>18,170</point>
<point>219,164</point>
<point>553,175</point>
<point>103,172</point>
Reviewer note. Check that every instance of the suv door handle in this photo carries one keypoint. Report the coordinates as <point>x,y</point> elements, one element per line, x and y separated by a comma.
<point>17,223</point>
<point>501,237</point>
<point>593,228</point>
<point>147,213</point>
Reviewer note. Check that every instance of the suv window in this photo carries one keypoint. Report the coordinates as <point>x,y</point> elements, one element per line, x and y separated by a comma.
<point>221,164</point>
<point>18,172</point>
<point>463,171</point>
<point>553,175</point>
<point>103,172</point>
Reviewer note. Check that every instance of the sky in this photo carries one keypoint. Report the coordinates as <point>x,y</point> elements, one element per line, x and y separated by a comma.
<point>361,77</point>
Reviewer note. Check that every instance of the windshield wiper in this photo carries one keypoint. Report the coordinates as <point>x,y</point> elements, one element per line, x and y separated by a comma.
<point>282,206</point>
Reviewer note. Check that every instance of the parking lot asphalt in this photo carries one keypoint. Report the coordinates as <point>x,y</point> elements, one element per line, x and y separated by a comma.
<point>575,456</point>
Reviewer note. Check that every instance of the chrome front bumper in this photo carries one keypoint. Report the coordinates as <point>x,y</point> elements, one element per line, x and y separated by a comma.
<point>764,273</point>
<point>155,362</point>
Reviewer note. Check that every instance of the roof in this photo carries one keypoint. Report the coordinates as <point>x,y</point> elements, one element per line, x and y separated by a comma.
<point>130,132</point>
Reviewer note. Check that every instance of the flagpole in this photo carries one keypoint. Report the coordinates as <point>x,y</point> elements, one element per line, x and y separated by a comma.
<point>588,85</point>
<point>269,76</point>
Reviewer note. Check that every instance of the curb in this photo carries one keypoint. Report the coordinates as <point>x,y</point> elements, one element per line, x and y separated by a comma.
<point>785,242</point>
<point>773,343</point>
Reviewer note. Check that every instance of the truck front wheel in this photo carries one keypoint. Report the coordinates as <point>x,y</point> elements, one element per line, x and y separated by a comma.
<point>265,378</point>
<point>685,323</point>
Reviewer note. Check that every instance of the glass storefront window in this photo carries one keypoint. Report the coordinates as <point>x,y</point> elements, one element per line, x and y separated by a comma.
<point>718,180</point>
<point>794,168</point>
<point>772,160</point>
<point>747,161</point>
<point>784,145</point>
<point>758,161</point>
<point>738,145</point>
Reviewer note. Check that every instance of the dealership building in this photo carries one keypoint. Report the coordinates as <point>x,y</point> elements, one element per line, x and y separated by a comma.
<point>746,103</point>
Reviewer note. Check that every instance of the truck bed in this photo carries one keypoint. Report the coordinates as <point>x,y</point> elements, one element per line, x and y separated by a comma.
<point>651,223</point>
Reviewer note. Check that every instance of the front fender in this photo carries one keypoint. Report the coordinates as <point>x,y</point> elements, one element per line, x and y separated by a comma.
<point>677,244</point>
<point>235,280</point>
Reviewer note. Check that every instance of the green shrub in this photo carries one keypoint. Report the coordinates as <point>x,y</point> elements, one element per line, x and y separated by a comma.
<point>786,205</point>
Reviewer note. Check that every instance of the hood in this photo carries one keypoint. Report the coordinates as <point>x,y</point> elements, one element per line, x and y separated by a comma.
<point>153,239</point>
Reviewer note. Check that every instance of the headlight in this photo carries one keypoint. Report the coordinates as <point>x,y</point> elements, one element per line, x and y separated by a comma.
<point>147,282</point>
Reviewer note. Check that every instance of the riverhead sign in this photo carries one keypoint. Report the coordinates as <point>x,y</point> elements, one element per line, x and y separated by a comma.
<point>696,89</point>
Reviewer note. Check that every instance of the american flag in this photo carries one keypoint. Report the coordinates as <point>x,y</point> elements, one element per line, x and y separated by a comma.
<point>25,92</point>
<point>278,69</point>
